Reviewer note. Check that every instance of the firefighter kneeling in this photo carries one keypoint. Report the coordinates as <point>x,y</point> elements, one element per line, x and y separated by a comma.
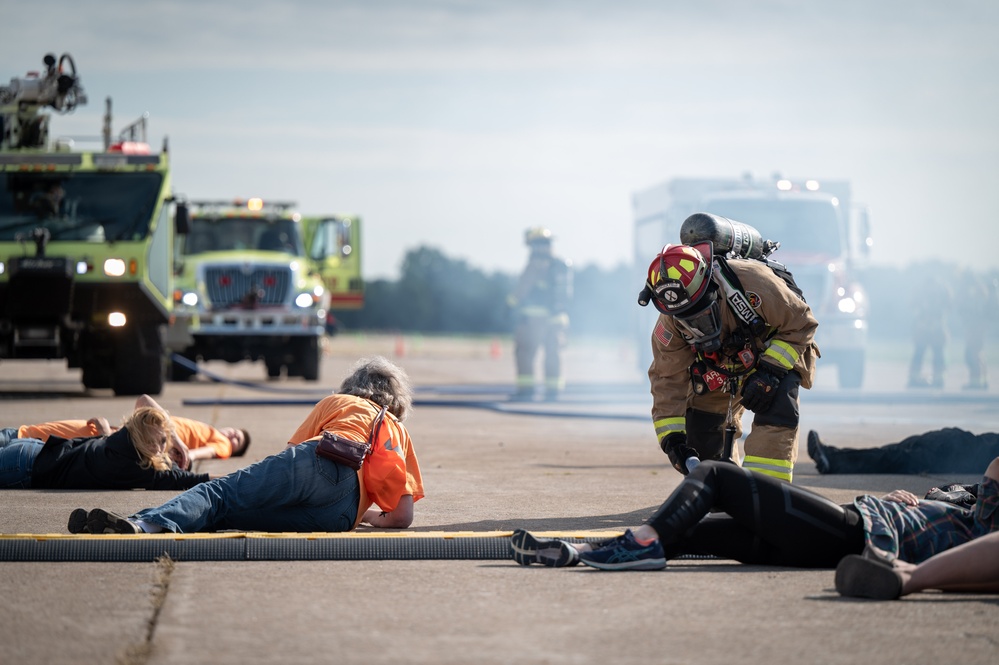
<point>731,335</point>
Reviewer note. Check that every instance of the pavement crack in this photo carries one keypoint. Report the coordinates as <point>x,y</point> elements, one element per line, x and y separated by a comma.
<point>139,654</point>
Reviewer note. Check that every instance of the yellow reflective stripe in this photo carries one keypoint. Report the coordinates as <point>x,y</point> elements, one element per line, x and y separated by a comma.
<point>555,383</point>
<point>778,468</point>
<point>525,380</point>
<point>783,353</point>
<point>669,426</point>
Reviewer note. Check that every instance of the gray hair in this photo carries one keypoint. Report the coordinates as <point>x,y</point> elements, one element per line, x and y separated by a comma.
<point>381,381</point>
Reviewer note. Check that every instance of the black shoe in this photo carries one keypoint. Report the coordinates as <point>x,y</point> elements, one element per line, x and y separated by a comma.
<point>102,521</point>
<point>78,521</point>
<point>861,577</point>
<point>527,549</point>
<point>817,452</point>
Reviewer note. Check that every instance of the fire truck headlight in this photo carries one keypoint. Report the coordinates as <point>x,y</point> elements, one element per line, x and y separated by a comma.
<point>304,300</point>
<point>116,319</point>
<point>189,298</point>
<point>3,267</point>
<point>114,267</point>
<point>847,305</point>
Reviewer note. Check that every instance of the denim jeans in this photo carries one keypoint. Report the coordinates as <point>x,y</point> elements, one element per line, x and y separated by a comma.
<point>295,490</point>
<point>17,457</point>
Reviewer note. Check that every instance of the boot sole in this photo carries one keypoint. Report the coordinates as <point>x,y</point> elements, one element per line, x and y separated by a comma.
<point>101,521</point>
<point>859,577</point>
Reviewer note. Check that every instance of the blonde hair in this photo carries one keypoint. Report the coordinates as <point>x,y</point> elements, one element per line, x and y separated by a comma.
<point>146,428</point>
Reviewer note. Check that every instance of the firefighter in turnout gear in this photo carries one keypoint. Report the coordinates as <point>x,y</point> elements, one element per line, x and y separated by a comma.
<point>732,335</point>
<point>540,303</point>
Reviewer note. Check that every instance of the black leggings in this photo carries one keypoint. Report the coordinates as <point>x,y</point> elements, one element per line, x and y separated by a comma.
<point>767,521</point>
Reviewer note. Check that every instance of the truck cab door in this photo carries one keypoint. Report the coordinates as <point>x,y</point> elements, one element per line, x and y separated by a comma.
<point>334,252</point>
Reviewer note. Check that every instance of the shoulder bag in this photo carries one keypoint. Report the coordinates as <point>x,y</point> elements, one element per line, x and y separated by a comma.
<point>344,451</point>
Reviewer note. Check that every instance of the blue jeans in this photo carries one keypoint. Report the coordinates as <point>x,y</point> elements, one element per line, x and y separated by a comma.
<point>17,457</point>
<point>295,490</point>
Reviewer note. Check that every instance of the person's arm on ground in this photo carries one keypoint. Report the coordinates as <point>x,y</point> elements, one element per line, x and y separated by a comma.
<point>400,518</point>
<point>205,452</point>
<point>973,566</point>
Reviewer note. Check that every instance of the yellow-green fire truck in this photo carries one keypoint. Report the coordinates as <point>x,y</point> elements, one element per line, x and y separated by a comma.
<point>256,281</point>
<point>86,240</point>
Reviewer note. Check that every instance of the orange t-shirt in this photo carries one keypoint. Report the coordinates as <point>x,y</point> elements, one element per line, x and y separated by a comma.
<point>66,429</point>
<point>197,434</point>
<point>194,433</point>
<point>351,417</point>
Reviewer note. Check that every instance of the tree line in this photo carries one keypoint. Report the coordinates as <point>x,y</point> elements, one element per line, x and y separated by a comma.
<point>436,293</point>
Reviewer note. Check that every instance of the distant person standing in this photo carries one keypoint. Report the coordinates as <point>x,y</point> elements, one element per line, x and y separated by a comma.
<point>929,333</point>
<point>979,302</point>
<point>540,303</point>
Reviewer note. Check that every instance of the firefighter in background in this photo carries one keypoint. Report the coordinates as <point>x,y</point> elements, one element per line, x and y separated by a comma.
<point>540,304</point>
<point>979,307</point>
<point>930,306</point>
<point>731,335</point>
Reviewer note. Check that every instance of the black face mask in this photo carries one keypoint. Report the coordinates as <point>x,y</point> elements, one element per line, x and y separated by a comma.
<point>704,326</point>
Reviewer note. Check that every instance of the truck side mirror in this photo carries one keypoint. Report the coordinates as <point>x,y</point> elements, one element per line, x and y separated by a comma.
<point>864,228</point>
<point>182,219</point>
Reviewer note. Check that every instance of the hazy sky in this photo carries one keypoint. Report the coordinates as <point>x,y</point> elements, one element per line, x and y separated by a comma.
<point>459,124</point>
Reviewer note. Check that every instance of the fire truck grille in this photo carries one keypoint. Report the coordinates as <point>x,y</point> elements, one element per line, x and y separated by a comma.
<point>230,286</point>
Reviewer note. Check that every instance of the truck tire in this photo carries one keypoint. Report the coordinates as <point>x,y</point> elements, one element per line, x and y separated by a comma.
<point>97,375</point>
<point>309,359</point>
<point>274,366</point>
<point>139,363</point>
<point>851,369</point>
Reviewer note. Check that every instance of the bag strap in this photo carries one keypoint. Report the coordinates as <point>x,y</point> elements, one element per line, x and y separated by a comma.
<point>374,429</point>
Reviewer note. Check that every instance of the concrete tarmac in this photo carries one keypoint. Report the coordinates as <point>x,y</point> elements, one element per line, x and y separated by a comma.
<point>587,462</point>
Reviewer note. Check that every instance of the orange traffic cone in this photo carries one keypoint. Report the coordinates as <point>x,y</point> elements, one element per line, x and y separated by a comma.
<point>494,349</point>
<point>400,347</point>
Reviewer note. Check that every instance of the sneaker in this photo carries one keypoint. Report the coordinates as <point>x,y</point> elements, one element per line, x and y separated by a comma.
<point>527,549</point>
<point>102,521</point>
<point>817,452</point>
<point>862,577</point>
<point>78,521</point>
<point>624,553</point>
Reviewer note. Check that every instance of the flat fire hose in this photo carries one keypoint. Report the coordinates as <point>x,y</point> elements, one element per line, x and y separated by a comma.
<point>260,546</point>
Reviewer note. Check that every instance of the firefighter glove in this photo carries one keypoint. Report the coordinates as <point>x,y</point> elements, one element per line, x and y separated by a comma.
<point>760,389</point>
<point>676,448</point>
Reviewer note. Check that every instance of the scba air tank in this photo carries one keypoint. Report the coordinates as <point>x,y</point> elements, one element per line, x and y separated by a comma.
<point>726,235</point>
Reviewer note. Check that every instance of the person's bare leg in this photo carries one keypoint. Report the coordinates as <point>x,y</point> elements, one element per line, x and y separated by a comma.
<point>973,566</point>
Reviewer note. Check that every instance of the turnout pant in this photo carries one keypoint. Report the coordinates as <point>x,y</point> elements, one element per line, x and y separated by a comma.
<point>772,443</point>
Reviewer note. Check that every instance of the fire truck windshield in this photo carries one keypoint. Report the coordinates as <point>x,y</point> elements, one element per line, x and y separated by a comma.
<point>225,234</point>
<point>89,207</point>
<point>804,226</point>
